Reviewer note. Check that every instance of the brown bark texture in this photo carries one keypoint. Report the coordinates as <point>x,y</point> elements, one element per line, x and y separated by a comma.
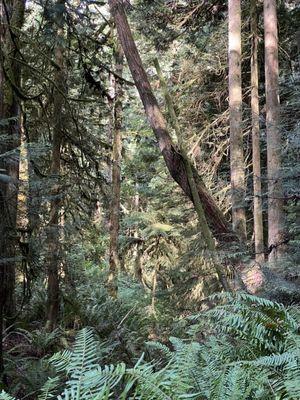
<point>11,21</point>
<point>172,156</point>
<point>202,222</point>
<point>275,286</point>
<point>237,167</point>
<point>53,234</point>
<point>257,202</point>
<point>276,217</point>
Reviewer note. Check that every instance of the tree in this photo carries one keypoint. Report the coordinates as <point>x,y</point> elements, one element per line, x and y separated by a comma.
<point>257,202</point>
<point>202,222</point>
<point>276,217</point>
<point>12,17</point>
<point>173,158</point>
<point>116,172</point>
<point>237,167</point>
<point>55,170</point>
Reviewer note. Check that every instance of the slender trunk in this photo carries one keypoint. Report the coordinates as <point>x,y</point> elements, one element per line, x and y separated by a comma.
<point>23,192</point>
<point>202,222</point>
<point>138,250</point>
<point>55,170</point>
<point>111,118</point>
<point>237,167</point>
<point>298,47</point>
<point>203,225</point>
<point>257,212</point>
<point>138,264</point>
<point>173,159</point>
<point>153,291</point>
<point>34,182</point>
<point>116,177</point>
<point>276,217</point>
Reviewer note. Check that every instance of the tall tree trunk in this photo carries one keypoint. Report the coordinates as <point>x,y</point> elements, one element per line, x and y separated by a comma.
<point>276,217</point>
<point>202,222</point>
<point>237,166</point>
<point>55,170</point>
<point>11,21</point>
<point>173,158</point>
<point>116,175</point>
<point>257,212</point>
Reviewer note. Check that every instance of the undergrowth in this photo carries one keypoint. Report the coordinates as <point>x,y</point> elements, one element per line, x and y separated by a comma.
<point>243,347</point>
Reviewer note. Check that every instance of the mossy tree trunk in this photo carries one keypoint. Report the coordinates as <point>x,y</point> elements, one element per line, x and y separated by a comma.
<point>116,174</point>
<point>202,222</point>
<point>53,234</point>
<point>11,21</point>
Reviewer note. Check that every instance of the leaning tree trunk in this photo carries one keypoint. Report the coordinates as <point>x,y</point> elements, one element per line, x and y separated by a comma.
<point>257,202</point>
<point>55,170</point>
<point>116,176</point>
<point>276,217</point>
<point>202,222</point>
<point>11,21</point>
<point>237,167</point>
<point>173,158</point>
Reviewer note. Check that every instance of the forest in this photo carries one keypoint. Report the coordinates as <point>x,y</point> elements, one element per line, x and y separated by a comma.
<point>149,199</point>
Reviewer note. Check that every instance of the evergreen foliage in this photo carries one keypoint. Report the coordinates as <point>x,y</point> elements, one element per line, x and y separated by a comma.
<point>169,332</point>
<point>250,350</point>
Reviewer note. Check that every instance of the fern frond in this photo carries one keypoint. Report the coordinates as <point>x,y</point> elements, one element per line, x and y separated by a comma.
<point>61,360</point>
<point>150,385</point>
<point>6,396</point>
<point>84,355</point>
<point>48,388</point>
<point>161,348</point>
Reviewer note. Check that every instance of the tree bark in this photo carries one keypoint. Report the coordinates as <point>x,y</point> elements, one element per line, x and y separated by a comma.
<point>276,217</point>
<point>202,222</point>
<point>237,166</point>
<point>11,21</point>
<point>53,296</point>
<point>116,176</point>
<point>173,158</point>
<point>257,202</point>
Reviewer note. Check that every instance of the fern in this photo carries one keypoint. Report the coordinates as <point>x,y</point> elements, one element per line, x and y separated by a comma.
<point>84,355</point>
<point>5,396</point>
<point>48,388</point>
<point>87,380</point>
<point>260,322</point>
<point>151,385</point>
<point>251,351</point>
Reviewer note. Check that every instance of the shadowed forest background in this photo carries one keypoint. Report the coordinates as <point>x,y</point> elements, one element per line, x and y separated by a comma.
<point>149,199</point>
